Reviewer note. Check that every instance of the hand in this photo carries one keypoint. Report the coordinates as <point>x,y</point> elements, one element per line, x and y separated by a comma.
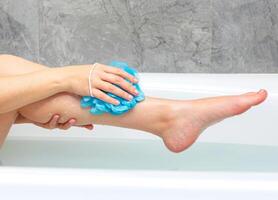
<point>53,123</point>
<point>104,79</point>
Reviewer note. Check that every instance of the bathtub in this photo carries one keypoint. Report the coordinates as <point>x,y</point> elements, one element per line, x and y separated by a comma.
<point>234,159</point>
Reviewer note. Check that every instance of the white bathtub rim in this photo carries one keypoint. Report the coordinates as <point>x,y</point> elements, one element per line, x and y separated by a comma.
<point>62,177</point>
<point>209,83</point>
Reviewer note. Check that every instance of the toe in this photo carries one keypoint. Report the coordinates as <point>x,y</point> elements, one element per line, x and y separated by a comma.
<point>244,102</point>
<point>235,105</point>
<point>257,98</point>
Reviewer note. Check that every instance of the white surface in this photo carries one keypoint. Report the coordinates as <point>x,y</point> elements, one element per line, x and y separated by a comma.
<point>258,126</point>
<point>86,184</point>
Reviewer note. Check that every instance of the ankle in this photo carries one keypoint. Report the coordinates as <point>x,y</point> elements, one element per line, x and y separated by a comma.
<point>165,116</point>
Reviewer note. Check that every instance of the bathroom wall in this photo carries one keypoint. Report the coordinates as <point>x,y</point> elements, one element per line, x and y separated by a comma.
<point>197,36</point>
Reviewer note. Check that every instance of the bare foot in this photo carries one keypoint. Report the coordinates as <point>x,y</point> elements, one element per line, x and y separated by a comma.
<point>192,117</point>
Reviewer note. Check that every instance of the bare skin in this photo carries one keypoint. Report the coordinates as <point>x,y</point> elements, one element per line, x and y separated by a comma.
<point>179,123</point>
<point>9,66</point>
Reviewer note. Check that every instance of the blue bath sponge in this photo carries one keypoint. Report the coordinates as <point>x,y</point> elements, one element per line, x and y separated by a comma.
<point>99,107</point>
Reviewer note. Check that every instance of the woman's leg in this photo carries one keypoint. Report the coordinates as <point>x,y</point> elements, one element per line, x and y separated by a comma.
<point>6,122</point>
<point>178,123</point>
<point>12,65</point>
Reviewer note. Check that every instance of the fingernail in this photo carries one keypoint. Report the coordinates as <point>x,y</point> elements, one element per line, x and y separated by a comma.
<point>136,92</point>
<point>117,102</point>
<point>261,91</point>
<point>130,97</point>
<point>72,121</point>
<point>135,80</point>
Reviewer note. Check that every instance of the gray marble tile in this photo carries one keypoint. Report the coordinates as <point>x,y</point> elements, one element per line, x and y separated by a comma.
<point>245,36</point>
<point>19,28</point>
<point>154,36</point>
<point>76,32</point>
<point>171,36</point>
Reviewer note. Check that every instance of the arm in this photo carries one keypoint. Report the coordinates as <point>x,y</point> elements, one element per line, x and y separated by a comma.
<point>11,66</point>
<point>21,86</point>
<point>29,88</point>
<point>23,82</point>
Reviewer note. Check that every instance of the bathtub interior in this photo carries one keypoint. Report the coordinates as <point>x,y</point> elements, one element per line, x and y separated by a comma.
<point>248,143</point>
<point>130,154</point>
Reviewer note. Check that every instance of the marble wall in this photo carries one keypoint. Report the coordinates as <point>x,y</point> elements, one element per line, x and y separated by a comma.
<point>200,36</point>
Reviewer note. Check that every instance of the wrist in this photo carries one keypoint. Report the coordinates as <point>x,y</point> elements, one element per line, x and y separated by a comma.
<point>61,79</point>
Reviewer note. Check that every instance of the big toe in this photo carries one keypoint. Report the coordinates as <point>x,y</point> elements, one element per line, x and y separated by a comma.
<point>255,98</point>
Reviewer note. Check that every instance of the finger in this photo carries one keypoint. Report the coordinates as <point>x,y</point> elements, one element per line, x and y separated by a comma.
<point>68,124</point>
<point>90,127</point>
<point>108,87</point>
<point>120,82</point>
<point>121,73</point>
<point>53,122</point>
<point>104,97</point>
